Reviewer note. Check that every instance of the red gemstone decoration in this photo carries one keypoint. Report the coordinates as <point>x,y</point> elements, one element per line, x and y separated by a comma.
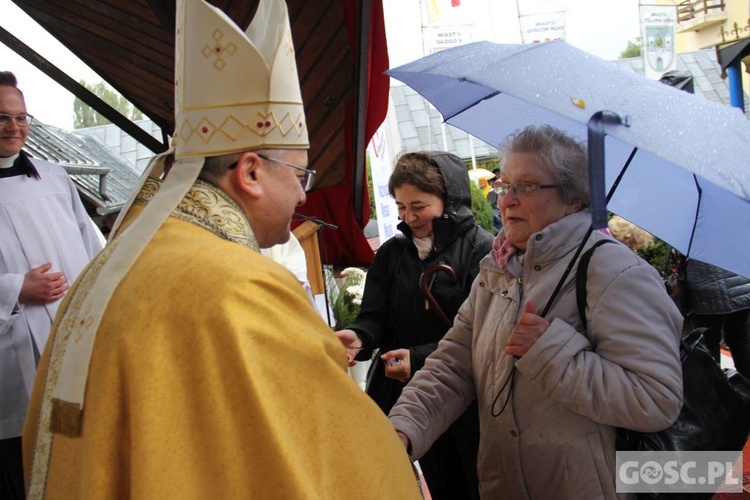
<point>204,130</point>
<point>259,124</point>
<point>268,124</point>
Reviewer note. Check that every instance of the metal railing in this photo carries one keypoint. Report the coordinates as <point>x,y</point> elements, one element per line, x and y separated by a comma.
<point>689,10</point>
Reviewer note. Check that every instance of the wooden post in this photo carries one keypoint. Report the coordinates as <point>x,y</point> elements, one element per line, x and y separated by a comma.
<point>307,234</point>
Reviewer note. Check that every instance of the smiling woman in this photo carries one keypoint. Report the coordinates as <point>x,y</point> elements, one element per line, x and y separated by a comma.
<point>414,288</point>
<point>417,208</point>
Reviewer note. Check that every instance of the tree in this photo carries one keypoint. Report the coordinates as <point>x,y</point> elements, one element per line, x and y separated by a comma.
<point>657,254</point>
<point>633,49</point>
<point>481,208</point>
<point>85,116</point>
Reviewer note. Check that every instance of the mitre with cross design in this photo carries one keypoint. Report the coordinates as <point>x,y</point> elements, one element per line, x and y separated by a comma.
<point>236,91</point>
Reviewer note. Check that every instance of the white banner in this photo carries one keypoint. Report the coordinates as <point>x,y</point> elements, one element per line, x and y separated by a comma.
<point>658,36</point>
<point>437,38</point>
<point>381,168</point>
<point>536,28</point>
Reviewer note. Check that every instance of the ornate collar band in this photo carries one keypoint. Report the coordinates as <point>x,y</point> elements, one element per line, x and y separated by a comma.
<point>209,207</point>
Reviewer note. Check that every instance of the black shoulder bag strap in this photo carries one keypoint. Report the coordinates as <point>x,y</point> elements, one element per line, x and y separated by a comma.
<point>572,262</point>
<point>581,275</point>
<point>509,380</point>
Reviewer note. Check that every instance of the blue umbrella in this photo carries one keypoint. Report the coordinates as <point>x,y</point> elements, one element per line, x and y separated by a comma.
<point>679,164</point>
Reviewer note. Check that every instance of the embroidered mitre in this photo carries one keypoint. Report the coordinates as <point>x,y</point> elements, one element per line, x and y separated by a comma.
<point>235,91</point>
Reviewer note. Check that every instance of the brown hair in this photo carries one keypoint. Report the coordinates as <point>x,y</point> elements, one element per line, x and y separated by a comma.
<point>419,170</point>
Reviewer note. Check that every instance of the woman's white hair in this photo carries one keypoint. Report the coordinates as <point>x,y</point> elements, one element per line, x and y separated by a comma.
<point>564,157</point>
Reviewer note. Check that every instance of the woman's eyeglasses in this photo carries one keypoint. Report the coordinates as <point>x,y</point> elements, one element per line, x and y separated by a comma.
<point>520,188</point>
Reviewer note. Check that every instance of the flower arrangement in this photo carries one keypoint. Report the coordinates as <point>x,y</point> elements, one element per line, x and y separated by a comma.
<point>348,296</point>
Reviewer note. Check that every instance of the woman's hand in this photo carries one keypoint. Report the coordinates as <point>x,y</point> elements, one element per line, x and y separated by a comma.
<point>397,364</point>
<point>528,330</point>
<point>352,343</point>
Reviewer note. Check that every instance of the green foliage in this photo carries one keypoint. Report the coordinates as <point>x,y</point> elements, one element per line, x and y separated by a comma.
<point>481,208</point>
<point>85,116</point>
<point>657,254</point>
<point>489,163</point>
<point>633,49</point>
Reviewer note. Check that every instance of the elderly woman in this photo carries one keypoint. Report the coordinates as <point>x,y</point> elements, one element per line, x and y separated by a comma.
<point>551,390</point>
<point>433,198</point>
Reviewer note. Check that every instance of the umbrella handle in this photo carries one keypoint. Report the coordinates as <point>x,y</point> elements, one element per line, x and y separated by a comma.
<point>596,134</point>
<point>425,282</point>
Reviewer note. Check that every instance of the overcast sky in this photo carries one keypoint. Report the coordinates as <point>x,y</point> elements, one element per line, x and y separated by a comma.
<point>602,28</point>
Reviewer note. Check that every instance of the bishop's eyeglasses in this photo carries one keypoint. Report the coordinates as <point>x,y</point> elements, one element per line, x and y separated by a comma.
<point>306,179</point>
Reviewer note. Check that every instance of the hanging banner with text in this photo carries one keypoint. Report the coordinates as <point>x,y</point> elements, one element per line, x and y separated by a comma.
<point>380,169</point>
<point>658,36</point>
<point>437,38</point>
<point>537,28</point>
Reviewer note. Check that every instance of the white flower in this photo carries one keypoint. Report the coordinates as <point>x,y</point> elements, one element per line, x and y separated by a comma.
<point>355,290</point>
<point>345,294</point>
<point>354,272</point>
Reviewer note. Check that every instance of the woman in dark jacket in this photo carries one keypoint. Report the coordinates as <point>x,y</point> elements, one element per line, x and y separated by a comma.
<point>720,301</point>
<point>433,197</point>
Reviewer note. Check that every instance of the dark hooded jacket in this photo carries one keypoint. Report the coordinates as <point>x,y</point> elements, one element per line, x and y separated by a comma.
<point>393,313</point>
<point>712,290</point>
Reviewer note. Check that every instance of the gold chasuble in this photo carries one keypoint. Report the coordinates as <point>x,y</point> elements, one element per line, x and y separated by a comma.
<point>212,377</point>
